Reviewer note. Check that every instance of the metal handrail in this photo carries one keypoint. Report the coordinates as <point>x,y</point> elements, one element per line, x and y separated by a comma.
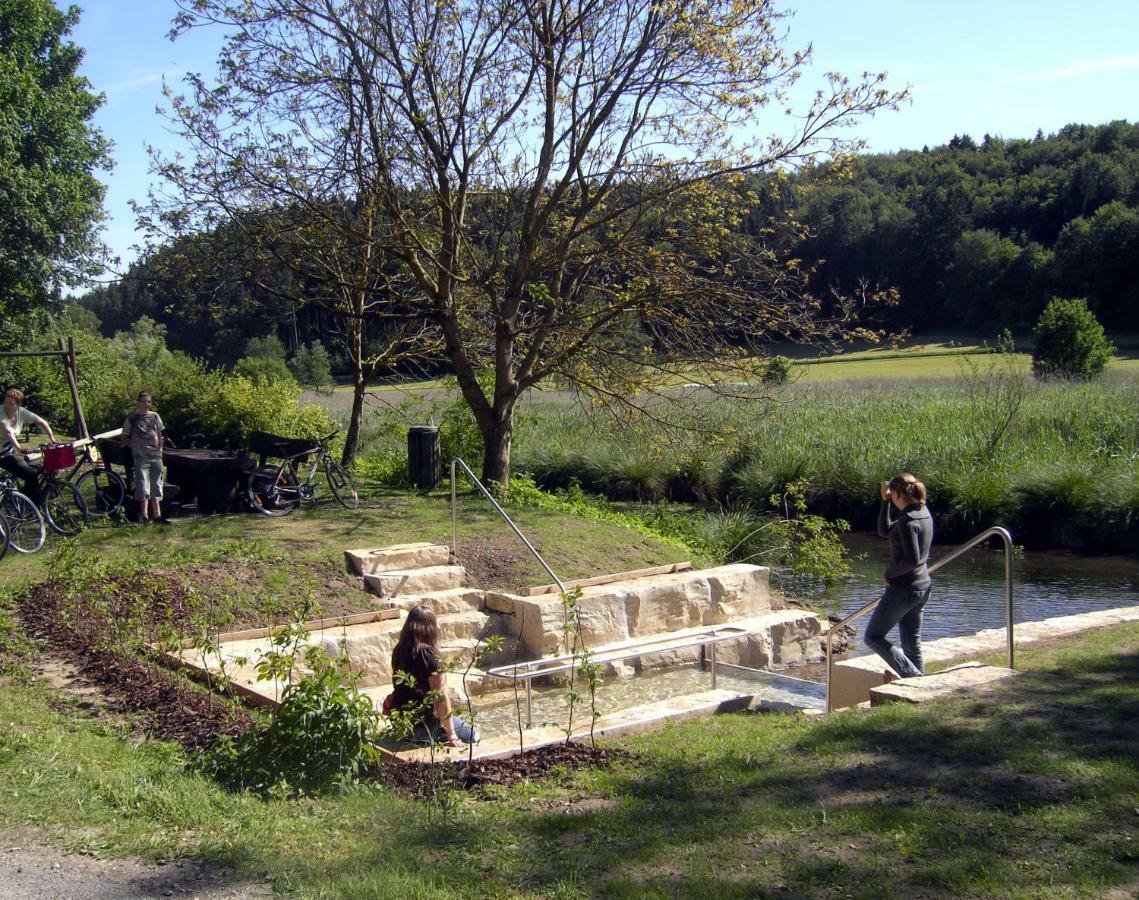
<point>509,521</point>
<point>995,531</point>
<point>528,670</point>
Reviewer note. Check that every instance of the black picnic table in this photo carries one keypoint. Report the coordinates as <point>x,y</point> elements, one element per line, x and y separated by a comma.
<point>212,477</point>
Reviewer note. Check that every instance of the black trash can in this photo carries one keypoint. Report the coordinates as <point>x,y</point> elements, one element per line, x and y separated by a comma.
<point>423,463</point>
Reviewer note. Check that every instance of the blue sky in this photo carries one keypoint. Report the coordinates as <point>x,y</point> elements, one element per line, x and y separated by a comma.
<point>1003,67</point>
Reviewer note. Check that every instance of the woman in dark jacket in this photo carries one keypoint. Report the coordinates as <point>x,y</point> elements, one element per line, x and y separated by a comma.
<point>416,654</point>
<point>905,520</point>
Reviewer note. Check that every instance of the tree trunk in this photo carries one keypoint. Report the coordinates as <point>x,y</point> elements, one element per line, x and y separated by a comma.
<point>352,439</point>
<point>496,446</point>
<point>359,384</point>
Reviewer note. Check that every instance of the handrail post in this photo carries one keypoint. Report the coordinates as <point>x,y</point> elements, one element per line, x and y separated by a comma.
<point>454,517</point>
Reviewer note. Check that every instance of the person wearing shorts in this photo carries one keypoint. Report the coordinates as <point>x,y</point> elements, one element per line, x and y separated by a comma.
<point>142,430</point>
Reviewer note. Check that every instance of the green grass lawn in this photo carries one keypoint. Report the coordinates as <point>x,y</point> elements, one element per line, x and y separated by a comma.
<point>1027,792</point>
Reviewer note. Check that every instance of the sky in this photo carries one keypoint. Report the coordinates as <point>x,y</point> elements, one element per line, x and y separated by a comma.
<point>1002,67</point>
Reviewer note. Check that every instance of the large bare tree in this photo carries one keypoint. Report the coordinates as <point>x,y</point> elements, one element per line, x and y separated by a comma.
<point>557,178</point>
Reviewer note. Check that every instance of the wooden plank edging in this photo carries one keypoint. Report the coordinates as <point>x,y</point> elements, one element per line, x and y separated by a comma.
<point>669,569</point>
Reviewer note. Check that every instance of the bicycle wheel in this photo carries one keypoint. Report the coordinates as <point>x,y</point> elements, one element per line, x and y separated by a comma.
<point>3,537</point>
<point>342,485</point>
<point>102,490</point>
<point>64,508</point>
<point>274,490</point>
<point>25,524</point>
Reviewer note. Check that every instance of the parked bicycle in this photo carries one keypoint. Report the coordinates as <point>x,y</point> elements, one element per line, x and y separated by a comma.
<point>102,488</point>
<point>22,519</point>
<point>63,507</point>
<point>276,490</point>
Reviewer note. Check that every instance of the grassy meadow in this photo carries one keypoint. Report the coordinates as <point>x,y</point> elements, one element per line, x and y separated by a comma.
<point>1056,462</point>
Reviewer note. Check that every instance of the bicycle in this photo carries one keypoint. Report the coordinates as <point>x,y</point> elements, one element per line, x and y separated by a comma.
<point>101,487</point>
<point>3,538</point>
<point>22,520</point>
<point>63,507</point>
<point>278,490</point>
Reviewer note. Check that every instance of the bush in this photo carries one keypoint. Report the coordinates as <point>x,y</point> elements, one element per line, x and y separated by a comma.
<point>776,371</point>
<point>262,369</point>
<point>1069,342</point>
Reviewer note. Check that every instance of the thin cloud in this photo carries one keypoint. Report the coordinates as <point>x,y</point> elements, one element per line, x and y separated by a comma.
<point>129,85</point>
<point>1112,63</point>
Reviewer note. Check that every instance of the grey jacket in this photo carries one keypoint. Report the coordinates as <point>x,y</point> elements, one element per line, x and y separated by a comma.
<point>910,534</point>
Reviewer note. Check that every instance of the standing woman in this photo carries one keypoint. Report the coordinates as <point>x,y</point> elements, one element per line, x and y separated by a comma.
<point>416,654</point>
<point>16,419</point>
<point>905,520</point>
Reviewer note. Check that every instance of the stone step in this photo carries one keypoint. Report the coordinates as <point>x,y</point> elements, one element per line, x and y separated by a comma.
<point>414,581</point>
<point>923,688</point>
<point>461,649</point>
<point>399,557</point>
<point>469,623</point>
<point>646,606</point>
<point>451,600</point>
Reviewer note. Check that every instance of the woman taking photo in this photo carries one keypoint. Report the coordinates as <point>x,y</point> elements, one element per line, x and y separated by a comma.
<point>416,654</point>
<point>905,520</point>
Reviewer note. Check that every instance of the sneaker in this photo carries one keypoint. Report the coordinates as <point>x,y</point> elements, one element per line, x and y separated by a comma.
<point>161,520</point>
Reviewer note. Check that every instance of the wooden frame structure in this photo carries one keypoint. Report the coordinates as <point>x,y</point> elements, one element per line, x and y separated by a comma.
<point>67,352</point>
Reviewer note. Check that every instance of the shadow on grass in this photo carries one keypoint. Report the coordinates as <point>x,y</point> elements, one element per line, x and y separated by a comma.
<point>1023,786</point>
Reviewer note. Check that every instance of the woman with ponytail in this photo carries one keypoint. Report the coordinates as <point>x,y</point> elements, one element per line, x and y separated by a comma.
<point>906,522</point>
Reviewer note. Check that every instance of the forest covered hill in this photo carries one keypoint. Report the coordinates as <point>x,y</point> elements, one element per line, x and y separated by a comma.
<point>973,235</point>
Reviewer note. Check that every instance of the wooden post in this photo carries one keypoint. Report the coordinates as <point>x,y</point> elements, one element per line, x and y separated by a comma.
<point>68,351</point>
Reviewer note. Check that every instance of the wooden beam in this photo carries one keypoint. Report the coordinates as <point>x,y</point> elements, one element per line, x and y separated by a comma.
<point>610,579</point>
<point>69,365</point>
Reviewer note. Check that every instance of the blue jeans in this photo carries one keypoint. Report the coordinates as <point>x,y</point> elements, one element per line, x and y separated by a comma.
<point>465,732</point>
<point>902,608</point>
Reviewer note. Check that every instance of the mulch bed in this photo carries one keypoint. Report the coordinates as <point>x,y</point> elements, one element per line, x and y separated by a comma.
<point>424,779</point>
<point>166,707</point>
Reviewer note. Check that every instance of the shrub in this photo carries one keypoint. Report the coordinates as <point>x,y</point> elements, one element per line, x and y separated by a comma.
<point>1069,342</point>
<point>776,371</point>
<point>263,368</point>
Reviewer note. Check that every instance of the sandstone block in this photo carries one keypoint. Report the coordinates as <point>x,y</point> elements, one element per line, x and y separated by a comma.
<point>397,557</point>
<point>415,581</point>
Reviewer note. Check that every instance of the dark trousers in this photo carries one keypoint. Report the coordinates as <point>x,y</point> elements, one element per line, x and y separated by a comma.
<point>22,469</point>
<point>904,609</point>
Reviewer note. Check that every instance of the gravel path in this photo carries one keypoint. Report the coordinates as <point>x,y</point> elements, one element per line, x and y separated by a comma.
<point>45,872</point>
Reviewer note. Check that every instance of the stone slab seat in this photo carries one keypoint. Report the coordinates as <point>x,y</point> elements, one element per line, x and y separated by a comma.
<point>853,679</point>
<point>653,605</point>
<point>414,581</point>
<point>400,557</point>
<point>923,688</point>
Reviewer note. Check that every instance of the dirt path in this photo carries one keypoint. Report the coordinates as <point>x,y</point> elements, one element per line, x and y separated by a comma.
<point>38,872</point>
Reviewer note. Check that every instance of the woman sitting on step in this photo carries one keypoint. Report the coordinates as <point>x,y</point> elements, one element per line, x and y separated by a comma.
<point>416,654</point>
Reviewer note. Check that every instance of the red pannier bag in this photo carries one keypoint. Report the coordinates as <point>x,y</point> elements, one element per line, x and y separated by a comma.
<point>58,456</point>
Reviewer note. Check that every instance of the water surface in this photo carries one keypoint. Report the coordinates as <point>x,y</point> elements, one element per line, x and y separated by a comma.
<point>969,593</point>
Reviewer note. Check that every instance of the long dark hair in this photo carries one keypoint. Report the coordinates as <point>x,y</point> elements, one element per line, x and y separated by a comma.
<point>420,629</point>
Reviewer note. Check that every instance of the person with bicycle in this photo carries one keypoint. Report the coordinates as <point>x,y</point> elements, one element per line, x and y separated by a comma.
<point>142,430</point>
<point>16,419</point>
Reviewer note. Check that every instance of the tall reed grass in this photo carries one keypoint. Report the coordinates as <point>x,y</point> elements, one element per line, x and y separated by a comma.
<point>1056,462</point>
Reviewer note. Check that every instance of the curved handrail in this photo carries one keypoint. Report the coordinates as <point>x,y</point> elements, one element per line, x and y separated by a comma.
<point>509,521</point>
<point>995,531</point>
